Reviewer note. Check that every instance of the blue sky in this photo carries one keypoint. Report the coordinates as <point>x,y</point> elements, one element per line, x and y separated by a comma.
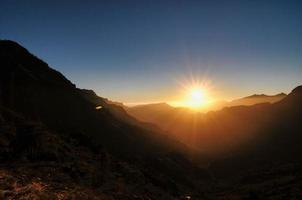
<point>139,51</point>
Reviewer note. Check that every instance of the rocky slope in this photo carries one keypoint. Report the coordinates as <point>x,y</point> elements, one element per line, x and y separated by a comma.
<point>54,138</point>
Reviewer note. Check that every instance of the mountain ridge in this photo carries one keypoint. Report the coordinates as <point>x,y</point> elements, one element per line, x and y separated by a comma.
<point>56,139</point>
<point>60,121</point>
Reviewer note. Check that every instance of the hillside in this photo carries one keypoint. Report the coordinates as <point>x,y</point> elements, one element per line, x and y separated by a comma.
<point>47,121</point>
<point>199,129</point>
<point>61,142</point>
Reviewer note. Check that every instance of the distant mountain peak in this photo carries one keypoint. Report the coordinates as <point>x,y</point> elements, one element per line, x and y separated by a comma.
<point>297,90</point>
<point>90,92</point>
<point>264,95</point>
<point>256,96</point>
<point>18,61</point>
<point>281,94</point>
<point>10,43</point>
<point>12,48</point>
<point>159,104</point>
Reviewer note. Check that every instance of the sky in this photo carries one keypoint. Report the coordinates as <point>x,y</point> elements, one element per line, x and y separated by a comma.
<point>145,51</point>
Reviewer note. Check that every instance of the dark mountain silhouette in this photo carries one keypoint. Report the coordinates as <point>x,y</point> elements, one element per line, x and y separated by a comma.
<point>61,142</point>
<point>269,165</point>
<point>118,111</point>
<point>30,87</point>
<point>45,118</point>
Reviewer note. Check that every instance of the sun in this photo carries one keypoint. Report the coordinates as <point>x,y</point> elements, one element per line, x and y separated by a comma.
<point>195,93</point>
<point>196,98</point>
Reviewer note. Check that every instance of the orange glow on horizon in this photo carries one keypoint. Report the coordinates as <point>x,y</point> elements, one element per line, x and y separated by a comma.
<point>195,98</point>
<point>195,93</point>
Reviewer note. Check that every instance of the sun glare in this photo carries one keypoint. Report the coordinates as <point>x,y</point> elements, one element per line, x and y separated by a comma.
<point>196,93</point>
<point>196,98</point>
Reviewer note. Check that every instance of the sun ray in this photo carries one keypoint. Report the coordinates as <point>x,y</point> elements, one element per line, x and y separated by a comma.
<point>195,93</point>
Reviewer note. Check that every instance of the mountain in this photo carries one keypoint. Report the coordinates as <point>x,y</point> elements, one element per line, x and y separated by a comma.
<point>164,116</point>
<point>255,150</point>
<point>67,141</point>
<point>118,111</point>
<point>256,99</point>
<point>61,142</point>
<point>220,131</point>
<point>245,101</point>
<point>191,125</point>
<point>30,87</point>
<point>269,165</point>
<point>154,113</point>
